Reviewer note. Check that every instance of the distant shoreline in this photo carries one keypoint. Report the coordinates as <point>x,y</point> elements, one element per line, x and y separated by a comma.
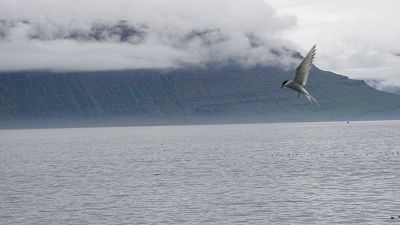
<point>40,124</point>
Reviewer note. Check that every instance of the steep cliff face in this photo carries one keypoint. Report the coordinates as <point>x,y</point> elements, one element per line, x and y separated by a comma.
<point>229,94</point>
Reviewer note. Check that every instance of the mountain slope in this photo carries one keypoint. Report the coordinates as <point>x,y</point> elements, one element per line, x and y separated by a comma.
<point>228,94</point>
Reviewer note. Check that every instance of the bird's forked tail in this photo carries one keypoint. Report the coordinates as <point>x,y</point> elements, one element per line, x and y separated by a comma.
<point>311,99</point>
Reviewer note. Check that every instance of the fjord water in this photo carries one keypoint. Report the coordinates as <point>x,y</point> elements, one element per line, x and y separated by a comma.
<point>294,173</point>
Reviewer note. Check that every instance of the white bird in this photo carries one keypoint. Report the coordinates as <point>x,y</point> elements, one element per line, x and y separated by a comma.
<point>300,78</point>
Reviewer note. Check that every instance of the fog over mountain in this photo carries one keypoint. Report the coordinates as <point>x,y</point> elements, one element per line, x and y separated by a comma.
<point>135,34</point>
<point>103,62</point>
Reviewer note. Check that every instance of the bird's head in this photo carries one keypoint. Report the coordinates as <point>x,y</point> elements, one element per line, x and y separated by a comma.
<point>283,84</point>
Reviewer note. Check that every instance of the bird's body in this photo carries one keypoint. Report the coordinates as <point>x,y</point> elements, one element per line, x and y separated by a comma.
<point>301,76</point>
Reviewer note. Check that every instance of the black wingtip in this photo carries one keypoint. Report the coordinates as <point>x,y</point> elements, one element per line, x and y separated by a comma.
<point>314,48</point>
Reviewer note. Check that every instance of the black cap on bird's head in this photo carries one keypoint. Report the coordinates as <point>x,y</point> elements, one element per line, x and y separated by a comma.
<point>284,82</point>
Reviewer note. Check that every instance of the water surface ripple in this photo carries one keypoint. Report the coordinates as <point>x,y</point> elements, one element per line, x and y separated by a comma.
<point>298,173</point>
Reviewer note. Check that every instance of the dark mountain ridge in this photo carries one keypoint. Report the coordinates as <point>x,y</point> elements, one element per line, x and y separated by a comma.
<point>206,95</point>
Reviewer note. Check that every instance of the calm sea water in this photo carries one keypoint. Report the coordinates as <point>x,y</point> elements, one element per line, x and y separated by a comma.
<point>298,173</point>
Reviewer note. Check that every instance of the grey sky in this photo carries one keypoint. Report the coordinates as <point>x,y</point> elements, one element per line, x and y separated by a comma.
<point>358,38</point>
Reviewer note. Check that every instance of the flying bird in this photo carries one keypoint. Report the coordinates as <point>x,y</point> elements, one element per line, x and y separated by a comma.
<point>300,78</point>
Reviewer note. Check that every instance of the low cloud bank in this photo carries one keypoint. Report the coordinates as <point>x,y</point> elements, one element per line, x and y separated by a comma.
<point>133,34</point>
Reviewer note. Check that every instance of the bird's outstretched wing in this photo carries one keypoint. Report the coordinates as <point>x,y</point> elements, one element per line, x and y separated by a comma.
<point>304,68</point>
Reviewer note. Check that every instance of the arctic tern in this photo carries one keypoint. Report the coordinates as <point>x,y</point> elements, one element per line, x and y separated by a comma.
<point>300,78</point>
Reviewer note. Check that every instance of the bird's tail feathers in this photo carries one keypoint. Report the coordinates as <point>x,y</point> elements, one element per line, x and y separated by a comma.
<point>311,99</point>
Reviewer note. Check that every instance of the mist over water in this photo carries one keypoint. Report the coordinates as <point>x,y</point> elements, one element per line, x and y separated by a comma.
<point>298,173</point>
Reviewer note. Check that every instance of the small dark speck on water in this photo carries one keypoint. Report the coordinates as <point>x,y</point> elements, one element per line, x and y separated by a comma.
<point>392,217</point>
<point>248,159</point>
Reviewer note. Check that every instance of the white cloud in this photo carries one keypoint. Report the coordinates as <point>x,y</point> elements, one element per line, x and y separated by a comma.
<point>86,34</point>
<point>358,38</point>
